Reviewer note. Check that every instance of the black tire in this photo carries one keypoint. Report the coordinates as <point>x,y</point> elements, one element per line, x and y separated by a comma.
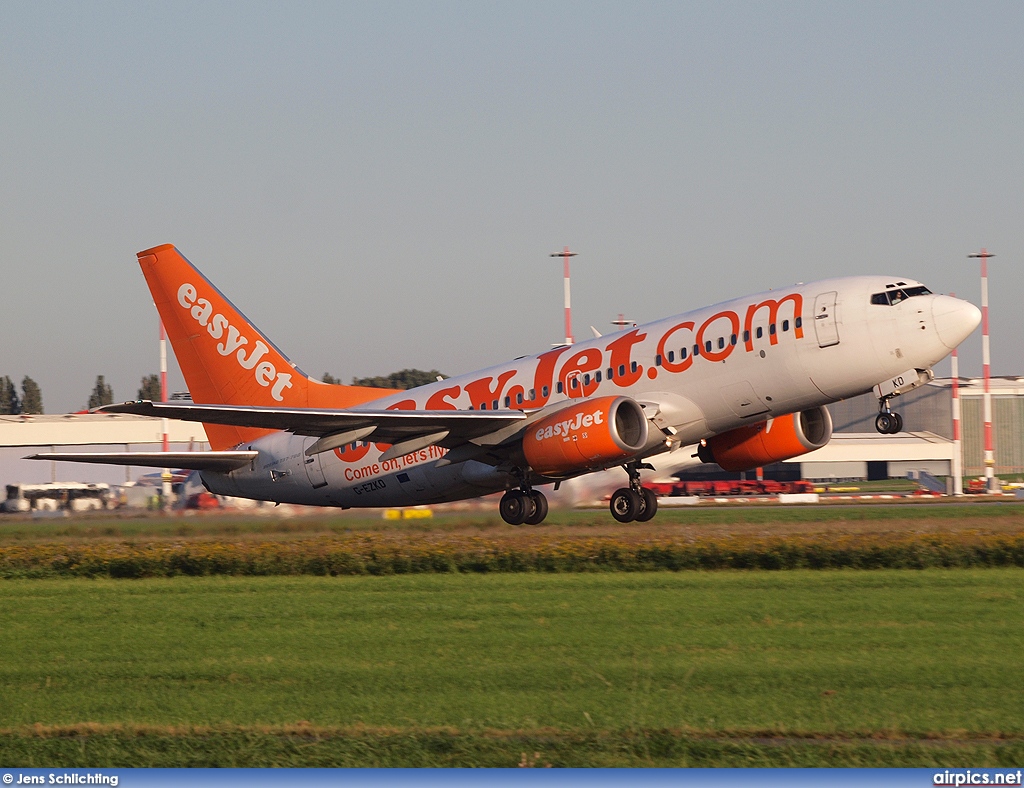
<point>625,505</point>
<point>540,508</point>
<point>884,422</point>
<point>649,506</point>
<point>898,427</point>
<point>514,507</point>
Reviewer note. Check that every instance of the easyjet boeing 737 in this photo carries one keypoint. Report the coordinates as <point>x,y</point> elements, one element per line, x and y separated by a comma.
<point>747,379</point>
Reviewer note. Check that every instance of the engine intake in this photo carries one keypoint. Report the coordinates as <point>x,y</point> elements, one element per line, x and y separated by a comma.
<point>595,433</point>
<point>775,440</point>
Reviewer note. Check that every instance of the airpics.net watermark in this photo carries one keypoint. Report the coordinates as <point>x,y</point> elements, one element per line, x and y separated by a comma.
<point>958,777</point>
<point>62,778</point>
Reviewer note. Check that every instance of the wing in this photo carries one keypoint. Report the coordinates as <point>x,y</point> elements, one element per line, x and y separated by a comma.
<point>190,460</point>
<point>406,430</point>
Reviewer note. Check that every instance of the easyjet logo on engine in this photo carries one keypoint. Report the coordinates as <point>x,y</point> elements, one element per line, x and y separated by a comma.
<point>564,429</point>
<point>233,343</point>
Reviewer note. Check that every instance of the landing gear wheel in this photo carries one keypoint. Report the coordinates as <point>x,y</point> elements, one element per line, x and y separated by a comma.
<point>649,506</point>
<point>625,505</point>
<point>899,423</point>
<point>514,507</point>
<point>540,508</point>
<point>884,423</point>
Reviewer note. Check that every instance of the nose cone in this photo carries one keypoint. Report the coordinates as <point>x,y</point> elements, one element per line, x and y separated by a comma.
<point>954,319</point>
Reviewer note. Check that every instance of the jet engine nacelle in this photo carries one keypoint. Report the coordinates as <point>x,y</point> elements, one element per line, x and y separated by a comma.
<point>595,433</point>
<point>769,441</point>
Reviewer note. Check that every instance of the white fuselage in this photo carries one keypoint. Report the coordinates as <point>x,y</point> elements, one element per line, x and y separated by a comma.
<point>757,357</point>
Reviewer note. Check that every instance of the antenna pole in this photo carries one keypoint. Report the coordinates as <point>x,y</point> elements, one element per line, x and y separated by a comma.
<point>991,483</point>
<point>958,459</point>
<point>165,477</point>
<point>565,254</point>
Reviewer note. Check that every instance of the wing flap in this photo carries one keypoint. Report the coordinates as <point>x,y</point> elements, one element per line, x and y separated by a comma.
<point>190,460</point>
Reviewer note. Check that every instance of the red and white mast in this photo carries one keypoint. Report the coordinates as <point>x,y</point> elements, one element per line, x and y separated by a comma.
<point>958,460</point>
<point>565,254</point>
<point>991,484</point>
<point>166,475</point>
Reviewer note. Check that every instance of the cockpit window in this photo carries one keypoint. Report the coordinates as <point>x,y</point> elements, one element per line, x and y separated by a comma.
<point>898,294</point>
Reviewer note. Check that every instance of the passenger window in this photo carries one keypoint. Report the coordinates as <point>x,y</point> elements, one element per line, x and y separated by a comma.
<point>597,376</point>
<point>508,401</point>
<point>682,354</point>
<point>544,391</point>
<point>622,370</point>
<point>632,367</point>
<point>760,332</point>
<point>574,383</point>
<point>657,360</point>
<point>494,405</point>
<point>732,339</point>
<point>559,387</point>
<point>798,322</point>
<point>671,356</point>
<point>746,336</point>
<point>785,325</point>
<point>721,342</point>
<point>483,406</point>
<point>519,399</point>
<point>586,379</point>
<point>611,374</point>
<point>707,346</point>
<point>771,329</point>
<point>696,350</point>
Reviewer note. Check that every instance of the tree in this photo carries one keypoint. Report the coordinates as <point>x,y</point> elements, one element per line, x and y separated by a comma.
<point>405,379</point>
<point>9,404</point>
<point>150,389</point>
<point>102,394</point>
<point>330,379</point>
<point>31,396</point>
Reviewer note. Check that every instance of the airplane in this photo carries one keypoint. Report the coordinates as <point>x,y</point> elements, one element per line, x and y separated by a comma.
<point>747,380</point>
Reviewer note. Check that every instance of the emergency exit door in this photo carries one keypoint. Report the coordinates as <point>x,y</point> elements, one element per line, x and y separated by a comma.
<point>825,327</point>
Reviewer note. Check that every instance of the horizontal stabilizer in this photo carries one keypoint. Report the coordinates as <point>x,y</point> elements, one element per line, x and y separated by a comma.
<point>390,426</point>
<point>189,460</point>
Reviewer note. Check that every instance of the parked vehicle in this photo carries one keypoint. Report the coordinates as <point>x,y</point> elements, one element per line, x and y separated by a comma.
<point>54,496</point>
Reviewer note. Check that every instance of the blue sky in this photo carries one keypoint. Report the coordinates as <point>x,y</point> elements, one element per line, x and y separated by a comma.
<point>379,185</point>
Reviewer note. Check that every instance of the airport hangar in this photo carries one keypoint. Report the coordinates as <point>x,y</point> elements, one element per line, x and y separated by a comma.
<point>856,451</point>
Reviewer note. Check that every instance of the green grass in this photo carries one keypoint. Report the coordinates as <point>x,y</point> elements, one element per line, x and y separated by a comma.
<point>885,515</point>
<point>419,748</point>
<point>480,666</point>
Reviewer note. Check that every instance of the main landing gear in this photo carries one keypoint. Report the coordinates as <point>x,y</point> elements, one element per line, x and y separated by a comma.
<point>634,502</point>
<point>523,506</point>
<point>887,422</point>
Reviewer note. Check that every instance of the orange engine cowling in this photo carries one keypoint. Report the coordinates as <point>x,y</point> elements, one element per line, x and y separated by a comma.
<point>595,433</point>
<point>769,441</point>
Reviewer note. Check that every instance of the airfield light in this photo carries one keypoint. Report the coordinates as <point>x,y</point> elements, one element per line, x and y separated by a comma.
<point>165,477</point>
<point>958,460</point>
<point>991,484</point>
<point>565,254</point>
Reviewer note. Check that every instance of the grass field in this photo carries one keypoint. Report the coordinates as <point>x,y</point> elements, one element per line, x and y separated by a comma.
<point>704,520</point>
<point>758,668</point>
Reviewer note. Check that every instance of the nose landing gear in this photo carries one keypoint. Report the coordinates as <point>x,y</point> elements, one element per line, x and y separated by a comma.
<point>634,503</point>
<point>887,422</point>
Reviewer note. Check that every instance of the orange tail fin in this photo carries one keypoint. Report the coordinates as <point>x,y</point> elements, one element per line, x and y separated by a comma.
<point>225,359</point>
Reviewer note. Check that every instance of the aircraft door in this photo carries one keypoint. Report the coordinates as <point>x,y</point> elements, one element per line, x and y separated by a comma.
<point>314,471</point>
<point>825,327</point>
